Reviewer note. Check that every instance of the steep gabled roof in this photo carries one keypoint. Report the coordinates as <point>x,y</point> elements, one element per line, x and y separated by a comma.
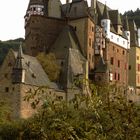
<point>115,17</point>
<point>66,39</point>
<point>133,35</point>
<point>105,13</point>
<point>34,73</point>
<point>67,50</point>
<point>125,23</point>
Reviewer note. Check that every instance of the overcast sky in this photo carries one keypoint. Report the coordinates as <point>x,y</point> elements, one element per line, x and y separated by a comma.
<point>12,15</point>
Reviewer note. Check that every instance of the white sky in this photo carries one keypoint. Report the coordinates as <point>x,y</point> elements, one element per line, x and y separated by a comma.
<point>12,15</point>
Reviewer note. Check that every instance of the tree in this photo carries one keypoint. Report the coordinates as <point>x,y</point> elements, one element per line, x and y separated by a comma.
<point>49,64</point>
<point>98,117</point>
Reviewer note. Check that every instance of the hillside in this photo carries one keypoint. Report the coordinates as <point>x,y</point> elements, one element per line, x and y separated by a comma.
<point>6,45</point>
<point>135,15</point>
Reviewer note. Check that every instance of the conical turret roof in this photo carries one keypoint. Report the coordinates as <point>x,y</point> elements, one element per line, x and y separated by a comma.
<point>126,25</point>
<point>40,2</point>
<point>19,59</point>
<point>105,13</point>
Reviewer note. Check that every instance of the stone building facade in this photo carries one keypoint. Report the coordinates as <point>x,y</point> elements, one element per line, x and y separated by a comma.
<point>89,42</point>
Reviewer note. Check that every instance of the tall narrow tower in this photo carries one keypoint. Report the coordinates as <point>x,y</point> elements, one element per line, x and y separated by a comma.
<point>105,22</point>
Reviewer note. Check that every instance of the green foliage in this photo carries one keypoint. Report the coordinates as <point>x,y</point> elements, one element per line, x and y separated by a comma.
<point>49,64</point>
<point>5,111</point>
<point>134,15</point>
<point>99,117</point>
<point>6,45</point>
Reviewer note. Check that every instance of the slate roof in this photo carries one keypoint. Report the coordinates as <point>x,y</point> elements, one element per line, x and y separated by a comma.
<point>76,9</point>
<point>66,39</point>
<point>115,17</point>
<point>105,13</point>
<point>66,48</point>
<point>34,73</point>
<point>126,24</point>
<point>101,66</point>
<point>41,2</point>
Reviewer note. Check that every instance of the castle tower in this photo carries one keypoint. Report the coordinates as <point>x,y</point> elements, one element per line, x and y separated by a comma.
<point>18,75</point>
<point>139,37</point>
<point>36,7</point>
<point>126,30</point>
<point>133,35</point>
<point>105,22</point>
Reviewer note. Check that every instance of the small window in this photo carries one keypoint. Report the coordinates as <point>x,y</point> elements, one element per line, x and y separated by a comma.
<point>33,75</point>
<point>118,63</point>
<point>89,56</point>
<point>111,60</point>
<point>6,75</point>
<point>118,76</point>
<point>34,8</point>
<point>92,29</point>
<point>123,52</point>
<point>13,88</point>
<point>62,63</point>
<point>7,89</point>
<point>115,76</point>
<point>9,64</point>
<point>90,42</point>
<point>129,67</point>
<point>137,57</point>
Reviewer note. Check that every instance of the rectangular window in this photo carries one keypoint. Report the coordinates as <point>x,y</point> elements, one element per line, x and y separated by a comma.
<point>111,60</point>
<point>7,89</point>
<point>119,63</point>
<point>138,67</point>
<point>90,42</point>
<point>92,29</point>
<point>115,76</point>
<point>118,76</point>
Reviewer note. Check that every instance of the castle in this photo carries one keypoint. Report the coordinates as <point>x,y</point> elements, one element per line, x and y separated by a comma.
<point>90,42</point>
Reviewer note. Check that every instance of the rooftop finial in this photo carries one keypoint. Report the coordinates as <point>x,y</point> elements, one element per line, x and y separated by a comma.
<point>20,52</point>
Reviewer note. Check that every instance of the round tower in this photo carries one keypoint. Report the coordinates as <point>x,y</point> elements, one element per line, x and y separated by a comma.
<point>105,22</point>
<point>36,7</point>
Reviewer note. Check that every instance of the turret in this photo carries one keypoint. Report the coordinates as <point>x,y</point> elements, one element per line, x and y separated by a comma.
<point>18,74</point>
<point>36,7</point>
<point>119,24</point>
<point>133,35</point>
<point>139,37</point>
<point>126,30</point>
<point>105,22</point>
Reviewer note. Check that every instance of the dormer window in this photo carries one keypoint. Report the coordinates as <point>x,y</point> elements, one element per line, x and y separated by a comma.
<point>34,8</point>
